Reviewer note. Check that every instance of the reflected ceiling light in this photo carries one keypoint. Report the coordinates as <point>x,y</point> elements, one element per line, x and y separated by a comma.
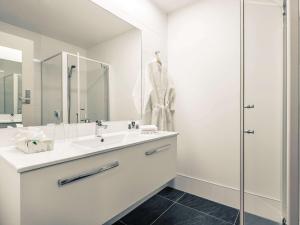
<point>10,54</point>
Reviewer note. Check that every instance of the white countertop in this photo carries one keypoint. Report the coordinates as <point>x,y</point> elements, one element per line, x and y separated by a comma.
<point>65,151</point>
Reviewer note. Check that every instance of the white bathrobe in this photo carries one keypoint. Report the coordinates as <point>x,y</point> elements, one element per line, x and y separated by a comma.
<point>159,98</point>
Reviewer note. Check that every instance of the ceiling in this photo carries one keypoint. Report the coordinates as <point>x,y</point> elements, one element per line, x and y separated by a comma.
<point>168,6</point>
<point>80,22</point>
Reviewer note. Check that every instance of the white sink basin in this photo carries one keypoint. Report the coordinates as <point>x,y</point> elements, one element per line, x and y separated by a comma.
<point>93,142</point>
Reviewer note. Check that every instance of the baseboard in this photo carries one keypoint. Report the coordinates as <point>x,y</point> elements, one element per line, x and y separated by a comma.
<point>263,206</point>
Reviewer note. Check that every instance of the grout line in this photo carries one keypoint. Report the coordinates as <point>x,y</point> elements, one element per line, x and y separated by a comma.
<point>177,202</point>
<point>183,193</point>
<point>163,213</point>
<point>221,220</point>
<point>122,222</point>
<point>180,197</point>
<point>167,208</point>
<point>169,199</point>
<point>237,216</point>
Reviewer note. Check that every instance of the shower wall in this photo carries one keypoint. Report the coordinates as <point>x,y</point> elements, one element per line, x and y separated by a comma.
<point>204,61</point>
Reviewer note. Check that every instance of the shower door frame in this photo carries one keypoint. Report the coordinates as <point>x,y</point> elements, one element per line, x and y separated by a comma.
<point>293,44</point>
<point>242,121</point>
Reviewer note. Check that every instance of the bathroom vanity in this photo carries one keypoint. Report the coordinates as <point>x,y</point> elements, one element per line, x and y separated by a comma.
<point>84,181</point>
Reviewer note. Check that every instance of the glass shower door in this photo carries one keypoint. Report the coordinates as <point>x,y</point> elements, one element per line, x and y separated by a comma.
<point>263,112</point>
<point>94,90</point>
<point>51,86</point>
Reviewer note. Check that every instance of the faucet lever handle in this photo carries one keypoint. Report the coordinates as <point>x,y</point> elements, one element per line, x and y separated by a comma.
<point>99,122</point>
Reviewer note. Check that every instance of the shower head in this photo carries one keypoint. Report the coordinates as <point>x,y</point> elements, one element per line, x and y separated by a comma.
<point>70,70</point>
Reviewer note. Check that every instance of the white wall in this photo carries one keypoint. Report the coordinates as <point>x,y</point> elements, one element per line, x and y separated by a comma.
<point>123,54</point>
<point>203,55</point>
<point>204,61</point>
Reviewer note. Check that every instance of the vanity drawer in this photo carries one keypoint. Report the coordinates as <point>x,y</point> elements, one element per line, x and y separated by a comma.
<point>79,202</point>
<point>93,190</point>
<point>159,163</point>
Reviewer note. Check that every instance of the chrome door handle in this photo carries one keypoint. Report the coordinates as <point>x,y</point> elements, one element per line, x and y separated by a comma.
<point>154,151</point>
<point>62,182</point>
<point>249,132</point>
<point>249,107</point>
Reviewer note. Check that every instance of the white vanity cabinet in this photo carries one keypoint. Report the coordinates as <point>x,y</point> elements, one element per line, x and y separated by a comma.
<point>94,189</point>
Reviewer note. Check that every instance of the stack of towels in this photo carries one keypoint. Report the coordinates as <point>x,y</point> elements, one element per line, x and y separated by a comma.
<point>148,129</point>
<point>32,140</point>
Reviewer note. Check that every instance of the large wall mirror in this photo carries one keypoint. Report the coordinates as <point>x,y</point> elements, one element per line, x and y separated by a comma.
<point>85,68</point>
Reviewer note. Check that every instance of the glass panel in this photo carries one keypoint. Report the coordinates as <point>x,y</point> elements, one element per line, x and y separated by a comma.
<point>72,89</point>
<point>52,90</point>
<point>264,82</point>
<point>9,94</point>
<point>94,104</point>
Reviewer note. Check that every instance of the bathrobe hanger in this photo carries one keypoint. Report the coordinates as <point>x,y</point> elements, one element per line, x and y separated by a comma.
<point>157,57</point>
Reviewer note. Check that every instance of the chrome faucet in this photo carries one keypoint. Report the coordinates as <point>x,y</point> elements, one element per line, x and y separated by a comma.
<point>133,125</point>
<point>98,130</point>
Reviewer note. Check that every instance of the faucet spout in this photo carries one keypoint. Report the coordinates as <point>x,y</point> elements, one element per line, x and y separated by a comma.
<point>99,127</point>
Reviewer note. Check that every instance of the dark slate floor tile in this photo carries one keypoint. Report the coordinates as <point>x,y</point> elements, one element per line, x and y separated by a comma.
<point>171,193</point>
<point>149,211</point>
<point>181,215</point>
<point>251,219</point>
<point>217,210</point>
<point>118,223</point>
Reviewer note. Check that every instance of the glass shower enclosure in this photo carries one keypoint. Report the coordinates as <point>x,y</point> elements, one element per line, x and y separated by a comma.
<point>74,89</point>
<point>263,150</point>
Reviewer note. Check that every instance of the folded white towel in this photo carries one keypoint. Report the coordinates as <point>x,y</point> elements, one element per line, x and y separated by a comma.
<point>33,140</point>
<point>149,128</point>
<point>34,146</point>
<point>146,129</point>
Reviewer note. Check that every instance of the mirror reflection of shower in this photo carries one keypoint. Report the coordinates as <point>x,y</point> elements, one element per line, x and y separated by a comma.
<point>70,73</point>
<point>74,89</point>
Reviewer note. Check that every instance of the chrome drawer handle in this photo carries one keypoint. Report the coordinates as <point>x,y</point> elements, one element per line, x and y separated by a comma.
<point>62,182</point>
<point>154,151</point>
